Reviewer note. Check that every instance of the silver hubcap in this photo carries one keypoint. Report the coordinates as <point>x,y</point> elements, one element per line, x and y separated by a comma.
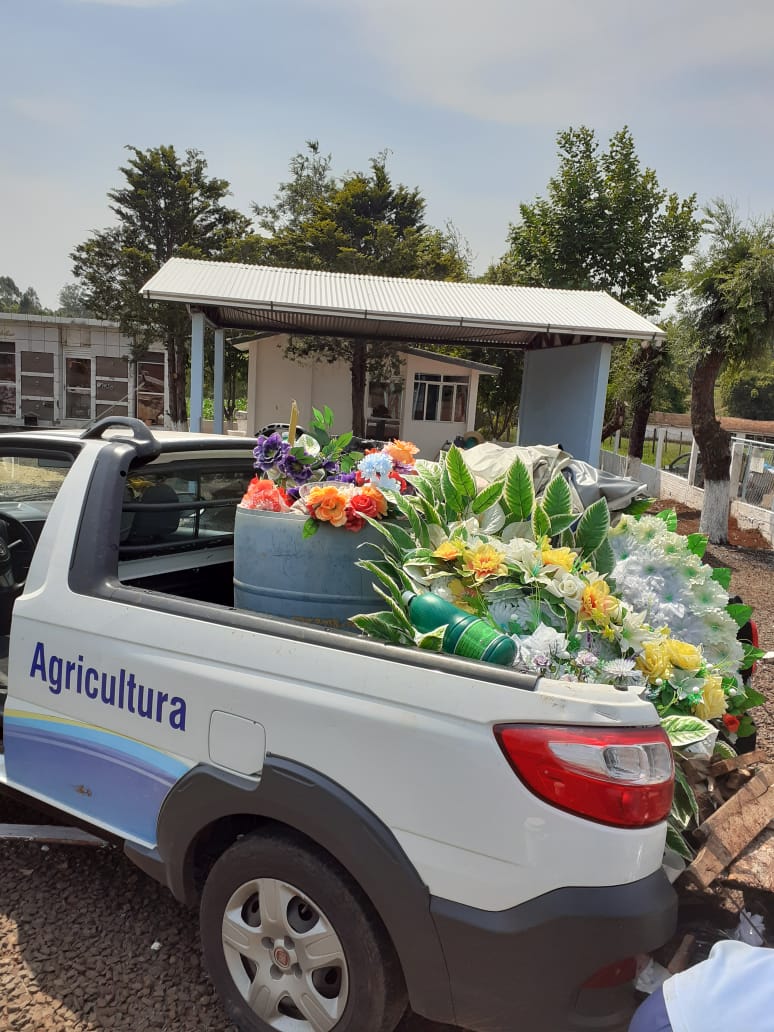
<point>285,957</point>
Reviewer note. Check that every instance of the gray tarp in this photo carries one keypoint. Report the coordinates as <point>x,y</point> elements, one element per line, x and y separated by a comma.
<point>489,461</point>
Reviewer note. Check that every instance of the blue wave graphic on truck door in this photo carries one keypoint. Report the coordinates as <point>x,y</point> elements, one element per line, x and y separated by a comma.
<point>111,780</point>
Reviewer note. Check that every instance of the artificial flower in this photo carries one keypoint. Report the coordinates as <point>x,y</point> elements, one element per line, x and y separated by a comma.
<point>484,561</point>
<point>378,498</point>
<point>597,604</point>
<point>327,504</point>
<point>562,557</point>
<point>654,661</point>
<point>401,452</point>
<point>732,723</point>
<point>683,655</point>
<point>364,505</point>
<point>713,700</point>
<point>449,550</point>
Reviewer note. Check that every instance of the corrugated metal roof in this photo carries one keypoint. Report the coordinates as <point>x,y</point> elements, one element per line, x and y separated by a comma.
<point>258,297</point>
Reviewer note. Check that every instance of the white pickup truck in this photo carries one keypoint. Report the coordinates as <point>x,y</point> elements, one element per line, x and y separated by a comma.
<point>365,827</point>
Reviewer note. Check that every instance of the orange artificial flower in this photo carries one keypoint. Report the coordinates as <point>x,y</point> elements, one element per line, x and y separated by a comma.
<point>401,451</point>
<point>597,604</point>
<point>449,550</point>
<point>378,498</point>
<point>485,561</point>
<point>328,505</point>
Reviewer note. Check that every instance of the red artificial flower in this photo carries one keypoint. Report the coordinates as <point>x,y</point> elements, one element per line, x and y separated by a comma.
<point>359,478</point>
<point>355,522</point>
<point>732,723</point>
<point>399,481</point>
<point>364,505</point>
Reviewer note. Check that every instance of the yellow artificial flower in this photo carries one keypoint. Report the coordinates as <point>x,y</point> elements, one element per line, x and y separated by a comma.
<point>683,655</point>
<point>713,699</point>
<point>654,661</point>
<point>562,557</point>
<point>461,595</point>
<point>449,550</point>
<point>597,604</point>
<point>485,561</point>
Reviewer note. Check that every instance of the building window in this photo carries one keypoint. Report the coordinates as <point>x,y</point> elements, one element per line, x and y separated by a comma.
<point>7,378</point>
<point>440,399</point>
<point>384,405</point>
<point>150,389</point>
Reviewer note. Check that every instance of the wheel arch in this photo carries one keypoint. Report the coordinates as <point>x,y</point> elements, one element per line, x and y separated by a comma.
<point>209,808</point>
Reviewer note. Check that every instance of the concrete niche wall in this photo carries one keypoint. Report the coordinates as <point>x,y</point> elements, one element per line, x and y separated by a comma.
<point>563,398</point>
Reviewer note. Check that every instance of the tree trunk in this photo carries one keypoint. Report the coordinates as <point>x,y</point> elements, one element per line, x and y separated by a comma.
<point>616,421</point>
<point>714,448</point>
<point>176,363</point>
<point>647,364</point>
<point>359,367</point>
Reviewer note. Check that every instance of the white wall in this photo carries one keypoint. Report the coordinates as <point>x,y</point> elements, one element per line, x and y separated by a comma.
<point>274,381</point>
<point>563,398</point>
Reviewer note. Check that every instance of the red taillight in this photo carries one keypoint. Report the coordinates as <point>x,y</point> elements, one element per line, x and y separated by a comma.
<point>621,776</point>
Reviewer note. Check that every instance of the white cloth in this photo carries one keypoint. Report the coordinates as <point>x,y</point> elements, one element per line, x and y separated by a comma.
<point>731,991</point>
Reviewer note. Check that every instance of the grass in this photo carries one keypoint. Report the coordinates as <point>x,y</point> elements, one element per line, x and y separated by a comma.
<point>672,450</point>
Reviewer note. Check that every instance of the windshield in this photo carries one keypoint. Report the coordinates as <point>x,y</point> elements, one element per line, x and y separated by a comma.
<point>31,479</point>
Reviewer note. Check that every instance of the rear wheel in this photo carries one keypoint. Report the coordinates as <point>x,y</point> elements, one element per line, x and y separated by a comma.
<point>291,945</point>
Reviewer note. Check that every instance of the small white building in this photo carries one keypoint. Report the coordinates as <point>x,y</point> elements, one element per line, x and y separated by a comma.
<point>431,401</point>
<point>57,371</point>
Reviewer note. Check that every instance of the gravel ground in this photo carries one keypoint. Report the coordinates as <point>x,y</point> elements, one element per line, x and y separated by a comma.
<point>78,934</point>
<point>78,925</point>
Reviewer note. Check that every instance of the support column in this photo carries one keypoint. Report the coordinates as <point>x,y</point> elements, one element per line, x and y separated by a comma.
<point>217,385</point>
<point>563,398</point>
<point>197,371</point>
<point>660,436</point>
<point>693,462</point>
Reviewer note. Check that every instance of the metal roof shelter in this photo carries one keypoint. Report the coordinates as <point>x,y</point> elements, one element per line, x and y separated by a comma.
<point>268,300</point>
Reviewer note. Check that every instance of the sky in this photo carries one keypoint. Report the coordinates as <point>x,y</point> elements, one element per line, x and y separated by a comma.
<point>467,97</point>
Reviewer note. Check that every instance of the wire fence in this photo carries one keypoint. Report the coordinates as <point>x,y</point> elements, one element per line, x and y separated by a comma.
<point>753,468</point>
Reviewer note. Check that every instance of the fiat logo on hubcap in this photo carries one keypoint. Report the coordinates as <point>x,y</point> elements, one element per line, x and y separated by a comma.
<point>281,957</point>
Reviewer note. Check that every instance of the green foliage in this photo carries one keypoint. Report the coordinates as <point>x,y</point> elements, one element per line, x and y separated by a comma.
<point>14,299</point>
<point>518,493</point>
<point>605,224</point>
<point>684,730</point>
<point>360,222</point>
<point>592,528</point>
<point>168,206</point>
<point>740,613</point>
<point>722,574</point>
<point>749,394</point>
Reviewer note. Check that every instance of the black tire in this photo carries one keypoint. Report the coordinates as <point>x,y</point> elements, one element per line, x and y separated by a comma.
<point>368,993</point>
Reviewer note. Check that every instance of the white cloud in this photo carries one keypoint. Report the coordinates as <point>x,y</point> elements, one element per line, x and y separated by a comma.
<point>561,61</point>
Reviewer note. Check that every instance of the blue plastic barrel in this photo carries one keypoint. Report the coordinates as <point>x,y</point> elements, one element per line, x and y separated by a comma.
<point>279,572</point>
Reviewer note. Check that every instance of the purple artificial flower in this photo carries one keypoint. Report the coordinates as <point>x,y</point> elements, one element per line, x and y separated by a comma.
<point>269,451</point>
<point>295,470</point>
<point>331,469</point>
<point>346,478</point>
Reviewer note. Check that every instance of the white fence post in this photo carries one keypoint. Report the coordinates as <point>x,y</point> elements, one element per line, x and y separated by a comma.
<point>692,463</point>
<point>737,456</point>
<point>617,442</point>
<point>660,436</point>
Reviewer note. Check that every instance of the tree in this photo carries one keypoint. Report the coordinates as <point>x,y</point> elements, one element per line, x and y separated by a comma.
<point>168,207</point>
<point>360,223</point>
<point>605,224</point>
<point>13,299</point>
<point>72,303</point>
<point>727,319</point>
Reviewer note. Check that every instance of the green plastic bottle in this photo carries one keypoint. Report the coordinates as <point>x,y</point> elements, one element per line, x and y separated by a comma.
<point>465,635</point>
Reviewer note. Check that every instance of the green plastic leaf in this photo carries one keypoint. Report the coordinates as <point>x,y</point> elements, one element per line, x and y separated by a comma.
<point>684,730</point>
<point>487,498</point>
<point>557,500</point>
<point>697,544</point>
<point>592,528</point>
<point>638,507</point>
<point>723,751</point>
<point>518,492</point>
<point>741,614</point>
<point>432,641</point>
<point>399,538</point>
<point>459,474</point>
<point>603,559</point>
<point>722,575</point>
<point>383,626</point>
<point>675,841</point>
<point>310,528</point>
<point>541,524</point>
<point>685,797</point>
<point>751,654</point>
<point>451,501</point>
<point>561,523</point>
<point>377,569</point>
<point>328,417</point>
<point>669,516</point>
